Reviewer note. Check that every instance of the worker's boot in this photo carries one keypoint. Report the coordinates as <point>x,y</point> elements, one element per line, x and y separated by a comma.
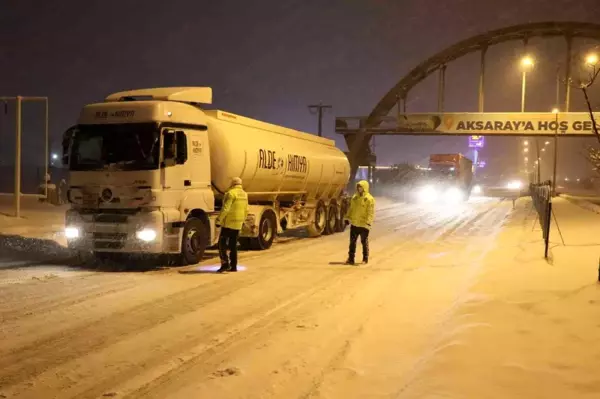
<point>365,259</point>
<point>224,268</point>
<point>350,261</point>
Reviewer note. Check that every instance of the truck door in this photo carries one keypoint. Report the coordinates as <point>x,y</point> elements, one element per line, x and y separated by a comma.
<point>173,171</point>
<point>199,159</point>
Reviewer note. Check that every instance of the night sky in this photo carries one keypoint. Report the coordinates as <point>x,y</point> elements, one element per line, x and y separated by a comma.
<point>269,59</point>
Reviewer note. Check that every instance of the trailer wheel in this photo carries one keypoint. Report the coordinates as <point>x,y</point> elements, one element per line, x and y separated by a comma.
<point>341,226</point>
<point>332,220</point>
<point>266,232</point>
<point>193,242</point>
<point>317,227</point>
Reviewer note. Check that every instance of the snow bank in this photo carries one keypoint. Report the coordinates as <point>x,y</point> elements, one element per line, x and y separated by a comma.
<point>534,330</point>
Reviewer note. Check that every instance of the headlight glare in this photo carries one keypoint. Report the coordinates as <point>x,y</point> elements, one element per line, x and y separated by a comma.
<point>146,235</point>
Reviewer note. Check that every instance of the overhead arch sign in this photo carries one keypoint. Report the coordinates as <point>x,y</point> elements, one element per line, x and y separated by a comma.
<point>474,124</point>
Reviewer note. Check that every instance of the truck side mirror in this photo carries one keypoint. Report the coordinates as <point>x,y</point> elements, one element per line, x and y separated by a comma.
<point>169,145</point>
<point>66,144</point>
<point>65,151</point>
<point>182,154</point>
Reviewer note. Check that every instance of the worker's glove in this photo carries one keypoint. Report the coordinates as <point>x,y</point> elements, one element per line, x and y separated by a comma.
<point>347,222</point>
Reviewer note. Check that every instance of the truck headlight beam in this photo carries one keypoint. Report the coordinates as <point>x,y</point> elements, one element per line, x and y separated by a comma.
<point>453,195</point>
<point>146,235</point>
<point>428,194</point>
<point>72,232</point>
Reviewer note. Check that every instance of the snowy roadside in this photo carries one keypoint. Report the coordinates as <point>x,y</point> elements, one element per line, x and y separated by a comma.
<point>528,328</point>
<point>32,224</point>
<point>586,202</point>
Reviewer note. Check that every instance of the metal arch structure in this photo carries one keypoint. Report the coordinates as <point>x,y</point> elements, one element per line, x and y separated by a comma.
<point>358,140</point>
<point>481,42</point>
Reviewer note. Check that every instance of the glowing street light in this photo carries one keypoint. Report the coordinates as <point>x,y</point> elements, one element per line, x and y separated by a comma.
<point>526,159</point>
<point>527,61</point>
<point>526,142</point>
<point>526,150</point>
<point>543,149</point>
<point>526,64</point>
<point>591,59</point>
<point>555,110</point>
<point>547,143</point>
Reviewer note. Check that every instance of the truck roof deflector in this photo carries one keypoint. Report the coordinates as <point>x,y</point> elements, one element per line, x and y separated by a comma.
<point>194,95</point>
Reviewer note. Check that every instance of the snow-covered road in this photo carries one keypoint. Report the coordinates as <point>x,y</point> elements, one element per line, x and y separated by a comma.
<point>295,323</point>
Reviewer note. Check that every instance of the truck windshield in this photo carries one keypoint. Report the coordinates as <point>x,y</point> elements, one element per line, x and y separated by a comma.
<point>442,170</point>
<point>130,146</point>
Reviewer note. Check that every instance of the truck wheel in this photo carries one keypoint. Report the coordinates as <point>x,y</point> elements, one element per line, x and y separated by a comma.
<point>245,243</point>
<point>193,242</point>
<point>266,232</point>
<point>341,227</point>
<point>332,220</point>
<point>317,227</point>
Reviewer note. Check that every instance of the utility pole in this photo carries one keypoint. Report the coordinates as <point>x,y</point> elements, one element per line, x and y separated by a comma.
<point>320,107</point>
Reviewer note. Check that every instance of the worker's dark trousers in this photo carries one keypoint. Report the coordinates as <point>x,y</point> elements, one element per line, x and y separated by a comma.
<point>228,241</point>
<point>364,240</point>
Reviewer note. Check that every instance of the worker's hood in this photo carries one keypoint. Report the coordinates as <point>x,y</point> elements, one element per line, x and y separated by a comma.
<point>365,185</point>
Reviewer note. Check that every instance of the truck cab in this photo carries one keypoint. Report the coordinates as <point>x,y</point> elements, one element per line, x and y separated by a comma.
<point>138,170</point>
<point>448,179</point>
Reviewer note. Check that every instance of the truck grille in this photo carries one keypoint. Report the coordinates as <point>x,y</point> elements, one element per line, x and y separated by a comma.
<point>110,236</point>
<point>109,244</point>
<point>110,218</point>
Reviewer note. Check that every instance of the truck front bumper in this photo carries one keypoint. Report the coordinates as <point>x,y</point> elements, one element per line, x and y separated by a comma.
<point>143,232</point>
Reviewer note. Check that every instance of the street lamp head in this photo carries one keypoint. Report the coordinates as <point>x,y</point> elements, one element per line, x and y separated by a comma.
<point>526,150</point>
<point>555,110</point>
<point>546,143</point>
<point>591,59</point>
<point>527,62</point>
<point>526,142</point>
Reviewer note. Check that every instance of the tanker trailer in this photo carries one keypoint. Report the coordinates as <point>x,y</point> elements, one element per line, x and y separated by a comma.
<point>148,170</point>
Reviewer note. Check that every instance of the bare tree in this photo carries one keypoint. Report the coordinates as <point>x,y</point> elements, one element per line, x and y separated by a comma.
<point>583,84</point>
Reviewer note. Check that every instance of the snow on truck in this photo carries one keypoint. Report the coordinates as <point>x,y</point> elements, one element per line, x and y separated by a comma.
<point>449,178</point>
<point>148,170</point>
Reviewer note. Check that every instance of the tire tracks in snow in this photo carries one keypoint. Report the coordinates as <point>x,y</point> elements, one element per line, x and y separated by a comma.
<point>347,285</point>
<point>76,341</point>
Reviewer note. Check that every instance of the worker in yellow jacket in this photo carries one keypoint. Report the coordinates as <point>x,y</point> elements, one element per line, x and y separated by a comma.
<point>360,215</point>
<point>231,219</point>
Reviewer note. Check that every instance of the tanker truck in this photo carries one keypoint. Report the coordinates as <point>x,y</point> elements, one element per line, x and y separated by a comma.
<point>148,170</point>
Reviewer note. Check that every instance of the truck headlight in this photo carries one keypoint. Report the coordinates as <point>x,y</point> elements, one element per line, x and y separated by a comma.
<point>514,185</point>
<point>428,194</point>
<point>72,232</point>
<point>146,235</point>
<point>453,195</point>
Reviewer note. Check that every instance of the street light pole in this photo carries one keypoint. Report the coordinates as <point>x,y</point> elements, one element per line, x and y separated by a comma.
<point>523,88</point>
<point>555,111</point>
<point>527,62</point>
